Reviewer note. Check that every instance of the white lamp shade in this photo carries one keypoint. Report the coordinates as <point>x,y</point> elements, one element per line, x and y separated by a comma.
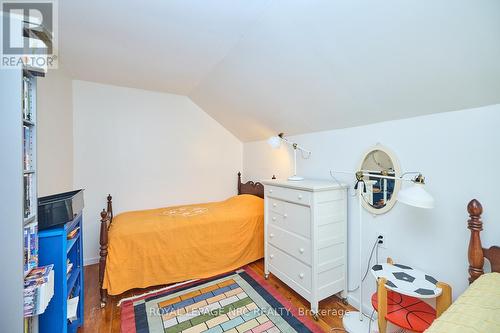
<point>274,141</point>
<point>416,196</point>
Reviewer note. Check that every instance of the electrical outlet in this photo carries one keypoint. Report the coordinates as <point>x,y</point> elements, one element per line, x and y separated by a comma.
<point>382,240</point>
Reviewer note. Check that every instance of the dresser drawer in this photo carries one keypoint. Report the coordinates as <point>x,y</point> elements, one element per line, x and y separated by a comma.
<point>289,266</point>
<point>291,217</point>
<point>288,194</point>
<point>292,244</point>
<point>276,205</point>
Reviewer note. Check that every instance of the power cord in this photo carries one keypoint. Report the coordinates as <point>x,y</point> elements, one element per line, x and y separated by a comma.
<point>371,320</point>
<point>377,242</point>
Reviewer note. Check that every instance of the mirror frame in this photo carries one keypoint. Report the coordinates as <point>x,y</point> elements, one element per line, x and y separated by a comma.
<point>397,184</point>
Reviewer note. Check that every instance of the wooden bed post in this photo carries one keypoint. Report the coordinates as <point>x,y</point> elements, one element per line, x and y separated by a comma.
<point>106,216</point>
<point>239,183</point>
<point>475,254</point>
<point>103,241</point>
<point>110,207</point>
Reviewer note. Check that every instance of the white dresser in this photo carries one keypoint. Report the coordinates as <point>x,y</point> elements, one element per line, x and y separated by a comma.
<point>306,237</point>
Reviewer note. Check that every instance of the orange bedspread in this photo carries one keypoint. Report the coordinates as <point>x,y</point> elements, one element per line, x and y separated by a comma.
<point>160,246</point>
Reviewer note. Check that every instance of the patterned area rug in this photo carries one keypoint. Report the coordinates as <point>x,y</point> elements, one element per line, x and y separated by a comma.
<point>239,302</point>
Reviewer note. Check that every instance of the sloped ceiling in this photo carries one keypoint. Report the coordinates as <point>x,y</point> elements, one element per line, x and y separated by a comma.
<point>259,67</point>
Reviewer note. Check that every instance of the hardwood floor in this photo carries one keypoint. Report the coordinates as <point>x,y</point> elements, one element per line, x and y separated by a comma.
<point>107,320</point>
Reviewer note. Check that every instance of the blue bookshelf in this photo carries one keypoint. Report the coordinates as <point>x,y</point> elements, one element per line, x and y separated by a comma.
<point>55,248</point>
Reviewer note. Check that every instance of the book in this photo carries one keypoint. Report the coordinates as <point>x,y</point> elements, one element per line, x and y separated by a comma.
<point>30,234</point>
<point>27,208</point>
<point>27,99</point>
<point>37,276</point>
<point>72,307</point>
<point>73,233</point>
<point>26,251</point>
<point>38,290</point>
<point>33,248</point>
<point>27,148</point>
<point>69,267</point>
<point>28,195</point>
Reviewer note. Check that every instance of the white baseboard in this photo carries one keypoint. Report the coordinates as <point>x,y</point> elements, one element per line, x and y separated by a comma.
<point>90,261</point>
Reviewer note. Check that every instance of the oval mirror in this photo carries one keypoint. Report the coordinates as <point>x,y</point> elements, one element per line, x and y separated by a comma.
<point>381,193</point>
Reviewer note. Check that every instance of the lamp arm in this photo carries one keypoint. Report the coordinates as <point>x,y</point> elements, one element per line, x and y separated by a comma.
<point>411,173</point>
<point>368,174</point>
<point>294,145</point>
<point>386,177</point>
<point>302,149</point>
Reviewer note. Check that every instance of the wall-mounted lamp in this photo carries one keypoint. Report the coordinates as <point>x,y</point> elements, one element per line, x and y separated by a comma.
<point>275,142</point>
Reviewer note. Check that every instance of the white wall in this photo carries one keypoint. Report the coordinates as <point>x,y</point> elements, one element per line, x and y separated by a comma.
<point>148,150</point>
<point>55,133</point>
<point>456,151</point>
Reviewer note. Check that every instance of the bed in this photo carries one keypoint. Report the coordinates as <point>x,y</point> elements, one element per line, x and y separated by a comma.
<point>477,310</point>
<point>145,248</point>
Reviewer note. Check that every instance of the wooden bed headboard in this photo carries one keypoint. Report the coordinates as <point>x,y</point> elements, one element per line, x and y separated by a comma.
<point>476,251</point>
<point>250,187</point>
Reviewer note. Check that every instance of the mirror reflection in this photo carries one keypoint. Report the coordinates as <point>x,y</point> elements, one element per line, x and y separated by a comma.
<point>379,192</point>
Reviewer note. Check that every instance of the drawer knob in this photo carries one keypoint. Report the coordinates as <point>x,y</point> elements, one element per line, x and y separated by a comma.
<point>274,205</point>
<point>274,218</point>
<point>271,235</point>
<point>301,250</point>
<point>271,256</point>
<point>270,191</point>
<point>285,215</point>
<point>301,275</point>
<point>300,196</point>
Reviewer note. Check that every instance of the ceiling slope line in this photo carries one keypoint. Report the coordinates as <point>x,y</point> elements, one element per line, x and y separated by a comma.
<point>243,34</point>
